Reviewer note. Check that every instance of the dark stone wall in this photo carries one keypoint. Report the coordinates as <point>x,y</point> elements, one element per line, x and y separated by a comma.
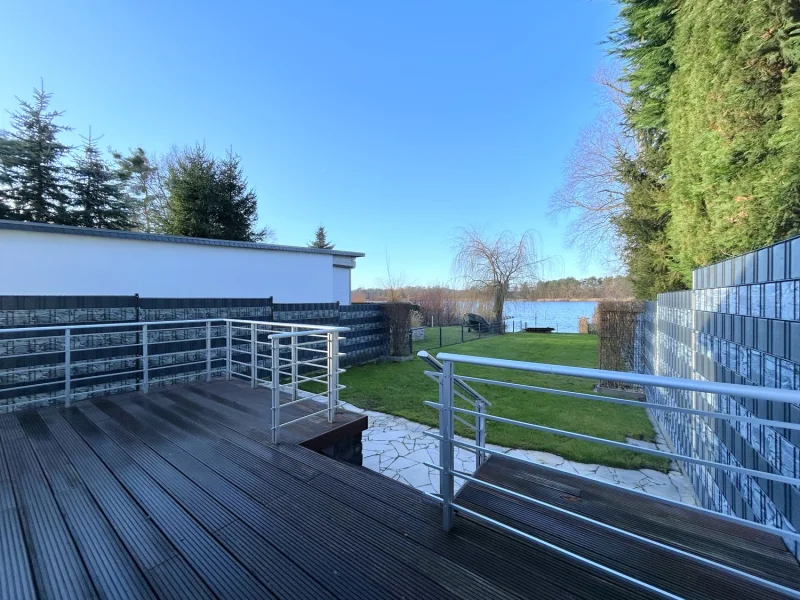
<point>740,324</point>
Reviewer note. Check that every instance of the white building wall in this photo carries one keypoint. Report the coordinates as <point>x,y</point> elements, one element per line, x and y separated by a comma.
<point>62,265</point>
<point>341,285</point>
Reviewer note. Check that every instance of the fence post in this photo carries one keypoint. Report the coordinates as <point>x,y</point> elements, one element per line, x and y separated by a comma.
<point>440,336</point>
<point>145,361</point>
<point>410,342</point>
<point>445,444</point>
<point>462,333</point>
<point>294,363</point>
<point>253,356</point>
<point>275,368</point>
<point>228,348</point>
<point>333,374</point>
<point>208,350</point>
<point>67,368</point>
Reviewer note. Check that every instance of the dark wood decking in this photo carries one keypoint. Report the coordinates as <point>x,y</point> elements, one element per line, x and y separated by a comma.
<point>177,495</point>
<point>761,554</point>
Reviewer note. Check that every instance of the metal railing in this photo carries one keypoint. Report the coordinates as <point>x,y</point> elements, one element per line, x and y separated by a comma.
<point>452,386</point>
<point>71,362</point>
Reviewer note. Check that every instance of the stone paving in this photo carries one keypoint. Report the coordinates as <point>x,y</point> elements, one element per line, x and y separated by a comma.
<point>397,448</point>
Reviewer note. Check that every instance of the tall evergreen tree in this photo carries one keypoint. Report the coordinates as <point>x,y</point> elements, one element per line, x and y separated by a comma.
<point>98,196</point>
<point>8,151</point>
<point>321,239</point>
<point>238,222</point>
<point>32,163</point>
<point>210,198</point>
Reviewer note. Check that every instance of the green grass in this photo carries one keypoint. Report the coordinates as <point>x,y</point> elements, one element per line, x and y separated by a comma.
<point>400,389</point>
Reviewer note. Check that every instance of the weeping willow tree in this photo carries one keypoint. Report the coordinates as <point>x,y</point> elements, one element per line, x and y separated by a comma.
<point>713,104</point>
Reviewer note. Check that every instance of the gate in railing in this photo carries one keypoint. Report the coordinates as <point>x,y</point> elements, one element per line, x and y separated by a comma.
<point>453,387</point>
<point>43,365</point>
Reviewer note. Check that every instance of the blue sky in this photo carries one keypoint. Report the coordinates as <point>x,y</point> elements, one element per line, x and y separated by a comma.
<point>391,123</point>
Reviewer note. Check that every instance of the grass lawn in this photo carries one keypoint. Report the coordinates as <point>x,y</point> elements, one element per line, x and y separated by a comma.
<point>400,388</point>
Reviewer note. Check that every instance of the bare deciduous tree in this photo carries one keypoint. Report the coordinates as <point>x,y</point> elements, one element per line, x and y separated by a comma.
<point>592,195</point>
<point>495,263</point>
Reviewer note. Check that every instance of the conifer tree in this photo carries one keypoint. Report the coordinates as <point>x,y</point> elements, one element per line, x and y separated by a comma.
<point>31,163</point>
<point>98,197</point>
<point>210,198</point>
<point>321,240</point>
<point>138,173</point>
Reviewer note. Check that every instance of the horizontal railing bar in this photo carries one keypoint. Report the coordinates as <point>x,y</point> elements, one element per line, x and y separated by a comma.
<point>564,552</point>
<point>135,324</point>
<point>58,381</point>
<point>101,375</point>
<point>303,399</point>
<point>730,389</point>
<point>636,403</point>
<point>317,378</point>
<point>784,533</point>
<point>184,364</point>
<point>701,559</point>
<point>287,325</point>
<point>318,332</point>
<point>628,447</point>
<point>236,362</point>
<point>314,414</point>
<point>183,375</point>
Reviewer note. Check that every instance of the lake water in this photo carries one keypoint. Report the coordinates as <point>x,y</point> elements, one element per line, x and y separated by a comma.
<point>561,315</point>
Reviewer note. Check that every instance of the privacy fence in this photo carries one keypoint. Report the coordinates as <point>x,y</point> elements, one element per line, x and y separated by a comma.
<point>106,356</point>
<point>739,324</point>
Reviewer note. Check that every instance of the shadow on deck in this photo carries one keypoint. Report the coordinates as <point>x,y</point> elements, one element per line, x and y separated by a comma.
<point>177,494</point>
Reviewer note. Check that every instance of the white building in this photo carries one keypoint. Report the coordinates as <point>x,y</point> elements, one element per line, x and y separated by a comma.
<point>56,260</point>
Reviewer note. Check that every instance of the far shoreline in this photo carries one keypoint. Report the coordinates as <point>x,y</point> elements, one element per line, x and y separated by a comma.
<point>569,299</point>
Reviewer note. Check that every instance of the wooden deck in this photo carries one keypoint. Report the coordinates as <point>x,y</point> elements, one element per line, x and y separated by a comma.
<point>177,495</point>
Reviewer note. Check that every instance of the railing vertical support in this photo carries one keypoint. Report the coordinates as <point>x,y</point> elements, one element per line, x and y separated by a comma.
<point>445,444</point>
<point>208,350</point>
<point>276,388</point>
<point>145,362</point>
<point>333,375</point>
<point>253,356</point>
<point>480,433</point>
<point>67,368</point>
<point>294,363</point>
<point>228,348</point>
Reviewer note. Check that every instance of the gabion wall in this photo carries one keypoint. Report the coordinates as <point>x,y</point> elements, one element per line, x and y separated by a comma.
<point>100,356</point>
<point>740,324</point>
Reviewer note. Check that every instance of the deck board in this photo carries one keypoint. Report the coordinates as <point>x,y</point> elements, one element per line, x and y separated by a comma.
<point>177,494</point>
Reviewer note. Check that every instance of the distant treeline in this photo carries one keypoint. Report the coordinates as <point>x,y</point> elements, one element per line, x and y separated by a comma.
<point>570,288</point>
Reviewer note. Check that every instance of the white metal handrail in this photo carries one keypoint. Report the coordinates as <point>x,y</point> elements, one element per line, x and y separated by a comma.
<point>448,414</point>
<point>67,373</point>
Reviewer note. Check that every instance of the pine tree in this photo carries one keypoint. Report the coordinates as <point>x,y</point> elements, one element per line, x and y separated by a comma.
<point>98,197</point>
<point>8,152</point>
<point>31,163</point>
<point>210,198</point>
<point>321,240</point>
<point>138,174</point>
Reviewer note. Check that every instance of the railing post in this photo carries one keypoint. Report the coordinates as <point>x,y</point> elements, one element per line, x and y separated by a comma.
<point>480,433</point>
<point>145,362</point>
<point>333,375</point>
<point>253,356</point>
<point>228,348</point>
<point>67,368</point>
<point>445,444</point>
<point>208,350</point>
<point>294,363</point>
<point>275,368</point>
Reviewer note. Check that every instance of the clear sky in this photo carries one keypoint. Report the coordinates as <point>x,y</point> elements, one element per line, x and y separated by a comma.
<point>391,123</point>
